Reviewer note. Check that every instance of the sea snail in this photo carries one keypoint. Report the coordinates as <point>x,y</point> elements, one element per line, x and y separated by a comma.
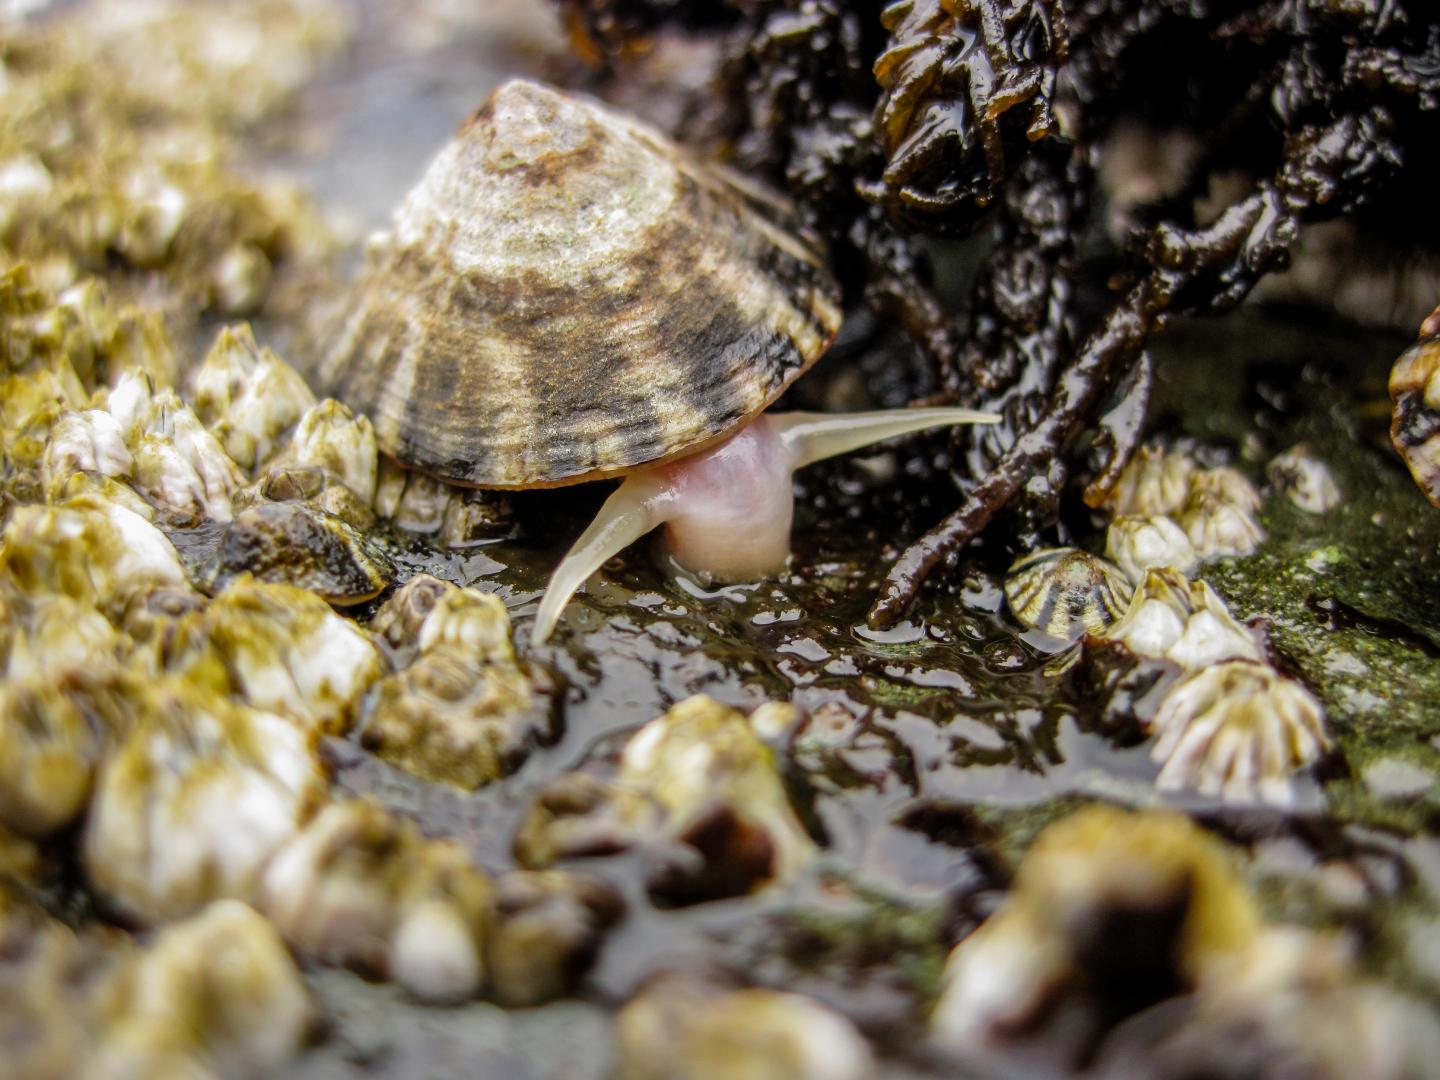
<point>566,296</point>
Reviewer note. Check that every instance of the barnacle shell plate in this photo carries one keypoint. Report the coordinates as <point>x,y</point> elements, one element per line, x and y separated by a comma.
<point>566,295</point>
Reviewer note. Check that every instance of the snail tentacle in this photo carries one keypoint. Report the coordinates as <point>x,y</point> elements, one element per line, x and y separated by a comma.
<point>812,437</point>
<point>637,506</point>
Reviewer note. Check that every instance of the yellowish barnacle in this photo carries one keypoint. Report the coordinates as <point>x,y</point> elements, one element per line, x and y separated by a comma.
<point>1089,884</point>
<point>178,465</point>
<point>1221,514</point>
<point>1238,729</point>
<point>1066,592</point>
<point>96,552</point>
<point>698,778</point>
<point>215,994</point>
<point>680,1025</point>
<point>446,718</point>
<point>281,649</point>
<point>247,396</point>
<point>332,439</point>
<point>57,985</point>
<point>83,442</point>
<point>548,927</point>
<point>1304,479</point>
<point>195,799</point>
<point>86,186</point>
<point>464,710</point>
<point>292,543</point>
<point>54,733</point>
<point>1171,617</point>
<point>1415,392</point>
<point>361,888</point>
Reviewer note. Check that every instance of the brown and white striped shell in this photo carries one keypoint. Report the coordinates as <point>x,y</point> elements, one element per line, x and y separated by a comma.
<point>567,295</point>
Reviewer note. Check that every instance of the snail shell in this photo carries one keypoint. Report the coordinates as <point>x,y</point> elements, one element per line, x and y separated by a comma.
<point>567,295</point>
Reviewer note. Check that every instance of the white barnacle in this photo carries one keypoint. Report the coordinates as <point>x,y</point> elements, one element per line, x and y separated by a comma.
<point>1238,729</point>
<point>1176,619</point>
<point>1304,479</point>
<point>1156,481</point>
<point>91,441</point>
<point>1221,514</point>
<point>1140,544</point>
<point>247,396</point>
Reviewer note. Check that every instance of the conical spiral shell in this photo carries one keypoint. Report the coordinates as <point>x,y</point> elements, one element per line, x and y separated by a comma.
<point>567,295</point>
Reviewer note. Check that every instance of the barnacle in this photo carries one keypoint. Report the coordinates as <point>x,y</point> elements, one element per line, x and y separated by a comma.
<point>281,649</point>
<point>1182,621</point>
<point>959,81</point>
<point>360,887</point>
<point>196,797</point>
<point>681,1025</point>
<point>464,711</point>
<point>1140,544</point>
<point>215,992</point>
<point>1238,729</point>
<point>247,396</point>
<point>1091,887</point>
<point>1304,479</point>
<point>698,785</point>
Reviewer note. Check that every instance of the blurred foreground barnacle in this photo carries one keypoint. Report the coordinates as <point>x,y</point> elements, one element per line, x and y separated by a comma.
<point>681,1025</point>
<point>216,994</point>
<point>1304,479</point>
<point>294,544</point>
<point>281,649</point>
<point>1238,729</point>
<point>1109,909</point>
<point>698,789</point>
<point>665,305</point>
<point>361,888</point>
<point>1415,419</point>
<point>96,552</point>
<point>193,801</point>
<point>549,926</point>
<point>1066,592</point>
<point>1296,1004</point>
<point>1140,544</point>
<point>1180,620</point>
<point>54,733</point>
<point>247,396</point>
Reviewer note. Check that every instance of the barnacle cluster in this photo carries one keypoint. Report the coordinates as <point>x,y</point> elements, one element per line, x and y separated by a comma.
<point>116,147</point>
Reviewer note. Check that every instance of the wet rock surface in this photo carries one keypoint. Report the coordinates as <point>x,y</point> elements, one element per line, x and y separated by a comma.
<point>914,772</point>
